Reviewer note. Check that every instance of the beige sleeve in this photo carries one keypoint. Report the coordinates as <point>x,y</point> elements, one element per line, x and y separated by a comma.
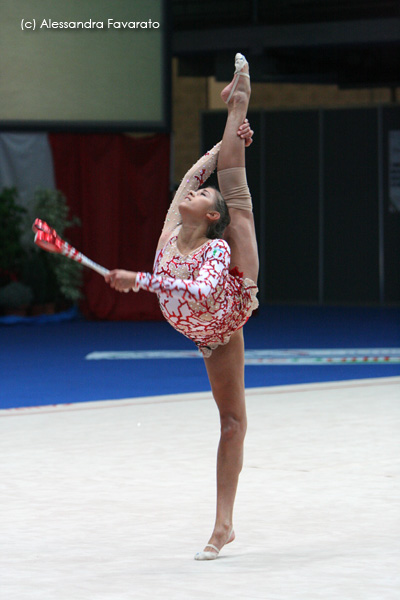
<point>193,179</point>
<point>234,189</point>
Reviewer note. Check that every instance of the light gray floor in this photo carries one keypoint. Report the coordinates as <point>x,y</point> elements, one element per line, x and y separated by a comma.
<point>110,500</point>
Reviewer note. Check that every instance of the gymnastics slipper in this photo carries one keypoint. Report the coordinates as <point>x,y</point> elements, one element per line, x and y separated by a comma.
<point>240,62</point>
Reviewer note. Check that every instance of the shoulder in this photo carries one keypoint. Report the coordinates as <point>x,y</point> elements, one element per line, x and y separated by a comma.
<point>218,249</point>
<point>221,244</point>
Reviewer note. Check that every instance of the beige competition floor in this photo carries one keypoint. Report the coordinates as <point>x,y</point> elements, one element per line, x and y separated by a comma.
<point>110,500</point>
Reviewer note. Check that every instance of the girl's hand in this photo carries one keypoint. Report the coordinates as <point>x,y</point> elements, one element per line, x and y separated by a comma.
<point>121,280</point>
<point>246,133</point>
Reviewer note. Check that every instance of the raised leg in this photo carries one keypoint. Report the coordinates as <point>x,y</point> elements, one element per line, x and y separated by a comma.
<point>240,234</point>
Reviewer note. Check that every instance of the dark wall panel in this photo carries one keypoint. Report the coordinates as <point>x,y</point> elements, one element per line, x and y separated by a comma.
<point>291,169</point>
<point>391,216</point>
<point>351,240</point>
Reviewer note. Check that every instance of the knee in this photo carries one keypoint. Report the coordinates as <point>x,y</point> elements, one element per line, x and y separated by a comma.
<point>233,428</point>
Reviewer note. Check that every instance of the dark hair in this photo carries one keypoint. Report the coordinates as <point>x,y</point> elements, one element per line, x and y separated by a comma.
<point>217,228</point>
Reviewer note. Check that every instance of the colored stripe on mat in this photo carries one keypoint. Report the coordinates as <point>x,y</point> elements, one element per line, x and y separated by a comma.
<point>331,356</point>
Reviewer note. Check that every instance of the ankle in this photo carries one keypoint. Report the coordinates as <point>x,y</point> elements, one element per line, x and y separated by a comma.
<point>239,101</point>
<point>222,535</point>
<point>222,530</point>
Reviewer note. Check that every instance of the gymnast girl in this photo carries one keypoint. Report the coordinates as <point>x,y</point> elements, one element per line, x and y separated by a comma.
<point>205,275</point>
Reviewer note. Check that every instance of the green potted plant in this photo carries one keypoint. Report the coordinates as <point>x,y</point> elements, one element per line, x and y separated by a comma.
<point>15,295</point>
<point>12,254</point>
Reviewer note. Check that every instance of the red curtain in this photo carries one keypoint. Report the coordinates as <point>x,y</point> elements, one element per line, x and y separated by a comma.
<point>119,188</point>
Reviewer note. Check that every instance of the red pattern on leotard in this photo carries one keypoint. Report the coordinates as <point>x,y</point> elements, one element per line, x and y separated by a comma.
<point>197,295</point>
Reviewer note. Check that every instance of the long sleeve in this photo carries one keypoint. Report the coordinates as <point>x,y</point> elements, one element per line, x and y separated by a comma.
<point>193,179</point>
<point>216,260</point>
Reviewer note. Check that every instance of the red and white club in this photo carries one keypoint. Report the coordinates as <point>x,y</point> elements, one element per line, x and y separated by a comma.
<point>49,240</point>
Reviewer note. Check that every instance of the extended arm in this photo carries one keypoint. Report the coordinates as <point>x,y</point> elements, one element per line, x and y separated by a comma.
<point>193,179</point>
<point>216,260</point>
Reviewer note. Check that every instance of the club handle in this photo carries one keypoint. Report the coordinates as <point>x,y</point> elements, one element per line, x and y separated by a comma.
<point>92,265</point>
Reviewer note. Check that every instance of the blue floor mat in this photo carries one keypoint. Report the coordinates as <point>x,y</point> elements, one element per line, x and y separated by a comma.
<point>46,363</point>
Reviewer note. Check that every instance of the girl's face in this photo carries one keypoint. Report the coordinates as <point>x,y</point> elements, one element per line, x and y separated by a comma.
<point>198,204</point>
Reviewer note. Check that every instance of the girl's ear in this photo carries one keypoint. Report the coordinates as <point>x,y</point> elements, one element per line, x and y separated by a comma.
<point>213,215</point>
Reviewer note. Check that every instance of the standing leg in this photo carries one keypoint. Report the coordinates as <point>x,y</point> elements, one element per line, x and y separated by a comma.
<point>225,368</point>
